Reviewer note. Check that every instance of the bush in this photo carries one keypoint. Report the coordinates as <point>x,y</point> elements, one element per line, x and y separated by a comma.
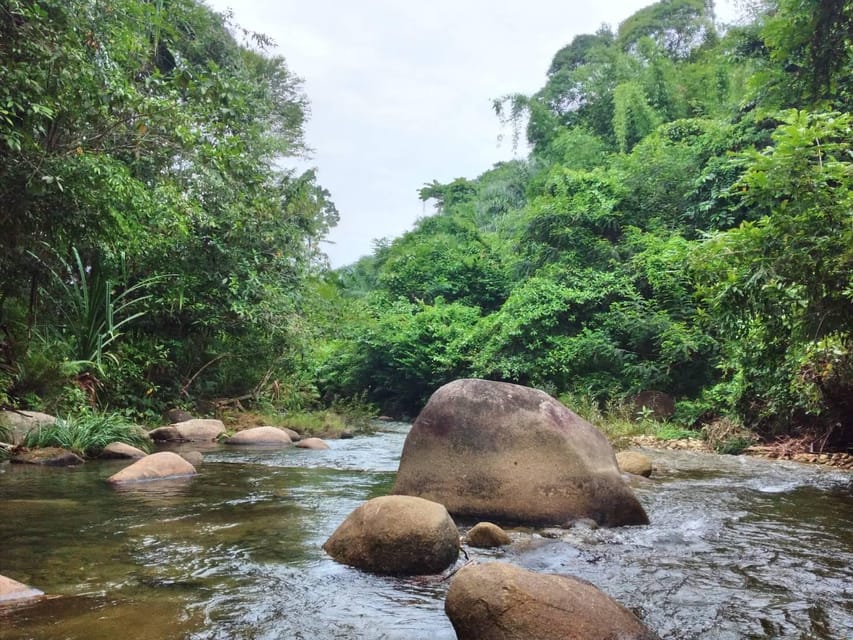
<point>88,433</point>
<point>727,436</point>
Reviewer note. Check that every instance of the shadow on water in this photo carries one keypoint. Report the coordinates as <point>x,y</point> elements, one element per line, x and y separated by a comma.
<point>737,549</point>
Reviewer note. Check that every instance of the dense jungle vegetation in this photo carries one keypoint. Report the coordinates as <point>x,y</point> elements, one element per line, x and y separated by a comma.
<point>682,223</point>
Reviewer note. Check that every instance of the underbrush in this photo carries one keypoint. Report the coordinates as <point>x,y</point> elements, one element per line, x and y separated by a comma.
<point>87,433</point>
<point>353,416</point>
<point>621,421</point>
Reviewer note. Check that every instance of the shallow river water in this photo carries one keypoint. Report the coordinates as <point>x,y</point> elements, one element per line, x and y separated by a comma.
<point>738,548</point>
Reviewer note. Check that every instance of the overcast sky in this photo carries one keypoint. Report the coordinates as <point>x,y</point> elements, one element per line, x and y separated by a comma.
<point>401,91</point>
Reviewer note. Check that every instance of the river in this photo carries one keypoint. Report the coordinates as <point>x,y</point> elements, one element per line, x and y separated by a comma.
<point>738,548</point>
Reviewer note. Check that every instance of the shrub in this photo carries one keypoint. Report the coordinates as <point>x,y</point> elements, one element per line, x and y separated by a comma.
<point>727,436</point>
<point>87,433</point>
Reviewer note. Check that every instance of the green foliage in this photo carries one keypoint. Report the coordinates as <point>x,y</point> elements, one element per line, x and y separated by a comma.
<point>140,141</point>
<point>676,26</point>
<point>784,312</point>
<point>87,433</point>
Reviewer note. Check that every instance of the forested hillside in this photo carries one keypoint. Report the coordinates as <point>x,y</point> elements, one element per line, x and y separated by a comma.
<point>681,224</point>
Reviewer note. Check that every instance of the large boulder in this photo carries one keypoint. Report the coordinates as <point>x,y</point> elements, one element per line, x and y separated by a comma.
<point>197,430</point>
<point>12,591</point>
<point>498,451</point>
<point>19,423</point>
<point>396,535</point>
<point>260,436</point>
<point>497,601</point>
<point>157,466</point>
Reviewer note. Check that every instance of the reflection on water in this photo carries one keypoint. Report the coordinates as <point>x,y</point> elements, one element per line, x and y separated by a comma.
<point>737,549</point>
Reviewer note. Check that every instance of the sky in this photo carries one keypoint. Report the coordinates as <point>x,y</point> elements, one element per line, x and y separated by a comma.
<point>401,91</point>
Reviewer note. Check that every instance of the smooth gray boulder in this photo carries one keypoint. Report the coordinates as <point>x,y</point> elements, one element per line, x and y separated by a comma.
<point>506,453</point>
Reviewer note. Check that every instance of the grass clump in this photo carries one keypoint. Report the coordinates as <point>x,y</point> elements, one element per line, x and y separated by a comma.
<point>87,433</point>
<point>620,420</point>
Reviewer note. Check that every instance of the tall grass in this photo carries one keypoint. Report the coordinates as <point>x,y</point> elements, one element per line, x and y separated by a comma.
<point>88,433</point>
<point>620,421</point>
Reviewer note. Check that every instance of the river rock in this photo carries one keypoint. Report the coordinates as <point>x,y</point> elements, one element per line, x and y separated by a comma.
<point>197,430</point>
<point>485,535</point>
<point>49,457</point>
<point>497,601</point>
<point>294,435</point>
<point>14,591</point>
<point>635,463</point>
<point>508,453</point>
<point>122,450</point>
<point>396,535</point>
<point>195,458</point>
<point>312,443</point>
<point>260,436</point>
<point>20,423</point>
<point>157,466</point>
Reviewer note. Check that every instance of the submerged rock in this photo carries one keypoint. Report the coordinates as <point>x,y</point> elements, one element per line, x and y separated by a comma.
<point>497,601</point>
<point>157,466</point>
<point>49,457</point>
<point>195,458</point>
<point>312,443</point>
<point>260,436</point>
<point>396,535</point>
<point>509,453</point>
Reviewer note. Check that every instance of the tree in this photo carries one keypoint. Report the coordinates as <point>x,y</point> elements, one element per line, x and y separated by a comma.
<point>777,291</point>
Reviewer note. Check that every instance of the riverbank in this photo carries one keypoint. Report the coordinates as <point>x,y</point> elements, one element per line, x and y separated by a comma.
<point>774,451</point>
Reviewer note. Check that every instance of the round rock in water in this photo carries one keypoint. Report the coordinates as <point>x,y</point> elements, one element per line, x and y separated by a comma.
<point>396,535</point>
<point>157,466</point>
<point>317,444</point>
<point>260,436</point>
<point>485,535</point>
<point>507,453</point>
<point>497,601</point>
<point>635,463</point>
